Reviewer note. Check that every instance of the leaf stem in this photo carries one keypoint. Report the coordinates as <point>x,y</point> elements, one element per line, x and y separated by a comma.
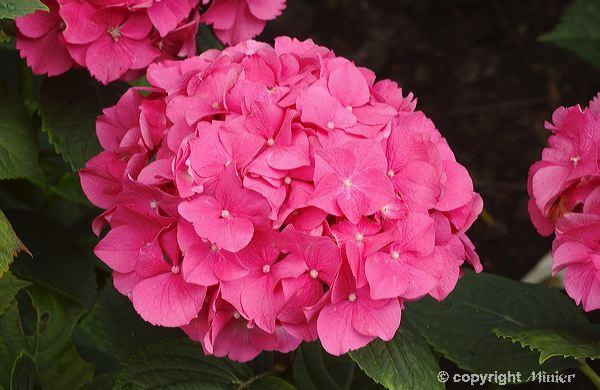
<point>246,384</point>
<point>589,372</point>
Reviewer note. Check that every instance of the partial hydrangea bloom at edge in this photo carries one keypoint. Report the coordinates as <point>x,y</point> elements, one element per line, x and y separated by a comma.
<point>564,190</point>
<point>261,196</point>
<point>118,39</point>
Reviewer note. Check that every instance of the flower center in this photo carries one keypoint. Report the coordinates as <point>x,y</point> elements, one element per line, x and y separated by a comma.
<point>347,183</point>
<point>266,268</point>
<point>216,105</point>
<point>115,33</point>
<point>359,237</point>
<point>349,108</point>
<point>395,255</point>
<point>575,160</point>
<point>153,204</point>
<point>225,214</point>
<point>236,315</point>
<point>352,297</point>
<point>270,142</point>
<point>390,173</point>
<point>330,125</point>
<point>214,248</point>
<point>314,273</point>
<point>175,269</point>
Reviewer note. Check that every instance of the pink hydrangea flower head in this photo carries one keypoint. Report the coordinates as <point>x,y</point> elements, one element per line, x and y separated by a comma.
<point>564,190</point>
<point>118,39</point>
<point>260,196</point>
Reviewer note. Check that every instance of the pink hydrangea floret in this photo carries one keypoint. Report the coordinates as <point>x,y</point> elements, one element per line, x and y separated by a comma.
<point>118,39</point>
<point>261,196</point>
<point>564,190</point>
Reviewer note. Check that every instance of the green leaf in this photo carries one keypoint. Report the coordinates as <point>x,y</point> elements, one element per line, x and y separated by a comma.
<point>57,259</point>
<point>404,362</point>
<point>59,366</point>
<point>12,342</point>
<point>58,179</point>
<point>11,9</point>
<point>206,39</point>
<point>10,245</point>
<point>132,332</point>
<point>314,369</point>
<point>58,362</point>
<point>579,30</point>
<point>180,364</point>
<point>18,146</point>
<point>461,326</point>
<point>24,375</point>
<point>361,381</point>
<point>69,106</point>
<point>269,383</point>
<point>9,287</point>
<point>566,340</point>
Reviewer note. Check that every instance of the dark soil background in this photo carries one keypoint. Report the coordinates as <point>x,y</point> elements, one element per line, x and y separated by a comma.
<point>481,75</point>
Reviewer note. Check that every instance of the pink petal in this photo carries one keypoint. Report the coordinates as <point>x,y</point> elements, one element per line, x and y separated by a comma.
<point>336,332</point>
<point>166,300</point>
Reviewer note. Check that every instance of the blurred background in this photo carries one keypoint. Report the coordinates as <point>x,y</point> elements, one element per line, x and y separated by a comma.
<point>480,73</point>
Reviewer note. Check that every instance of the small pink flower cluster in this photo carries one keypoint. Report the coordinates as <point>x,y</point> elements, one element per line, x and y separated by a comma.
<point>564,188</point>
<point>259,197</point>
<point>118,39</point>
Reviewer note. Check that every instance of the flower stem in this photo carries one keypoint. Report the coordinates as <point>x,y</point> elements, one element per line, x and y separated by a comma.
<point>589,372</point>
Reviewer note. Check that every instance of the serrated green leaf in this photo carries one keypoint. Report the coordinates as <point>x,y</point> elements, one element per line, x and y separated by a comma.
<point>579,30</point>
<point>404,362</point>
<point>566,340</point>
<point>116,327</point>
<point>180,364</point>
<point>58,362</point>
<point>18,146</point>
<point>361,381</point>
<point>9,287</point>
<point>10,245</point>
<point>314,369</point>
<point>69,106</point>
<point>11,9</point>
<point>57,260</point>
<point>24,375</point>
<point>461,326</point>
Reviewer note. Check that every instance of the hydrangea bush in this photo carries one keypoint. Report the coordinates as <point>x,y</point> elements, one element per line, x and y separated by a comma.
<point>263,196</point>
<point>118,39</point>
<point>564,187</point>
